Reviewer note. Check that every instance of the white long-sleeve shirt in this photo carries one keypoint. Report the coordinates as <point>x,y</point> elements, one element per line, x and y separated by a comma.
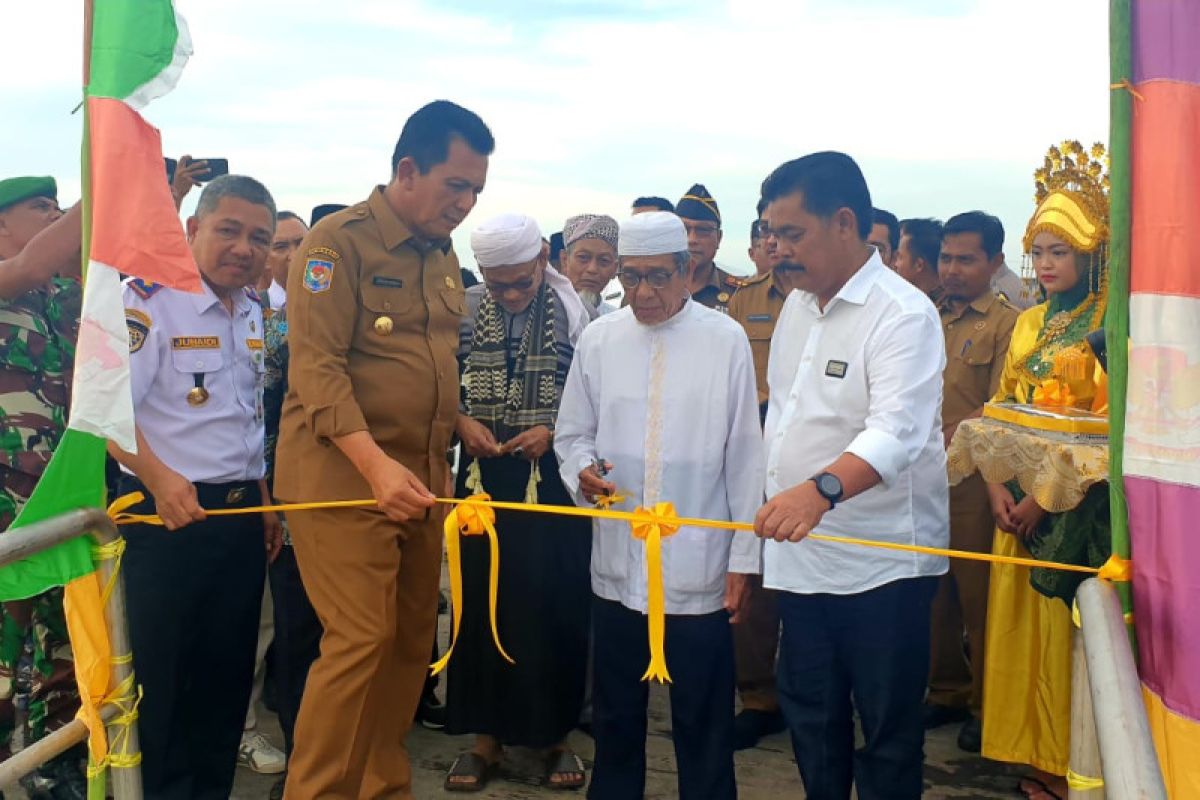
<point>862,377</point>
<point>673,408</point>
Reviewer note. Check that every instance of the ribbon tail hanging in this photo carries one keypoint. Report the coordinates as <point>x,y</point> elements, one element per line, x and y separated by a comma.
<point>656,609</point>
<point>494,587</point>
<point>454,565</point>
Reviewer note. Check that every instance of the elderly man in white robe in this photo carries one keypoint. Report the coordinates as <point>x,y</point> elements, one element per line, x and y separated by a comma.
<point>516,346</point>
<point>661,397</point>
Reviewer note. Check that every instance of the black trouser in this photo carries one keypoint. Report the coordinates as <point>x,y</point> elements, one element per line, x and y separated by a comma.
<point>699,653</point>
<point>297,639</point>
<point>193,598</point>
<point>870,650</point>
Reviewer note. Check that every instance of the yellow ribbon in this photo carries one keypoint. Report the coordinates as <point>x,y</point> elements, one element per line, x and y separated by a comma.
<point>1082,783</point>
<point>1127,86</point>
<point>652,525</point>
<point>471,517</point>
<point>1116,569</point>
<point>475,515</point>
<point>607,501</point>
<point>1054,394</point>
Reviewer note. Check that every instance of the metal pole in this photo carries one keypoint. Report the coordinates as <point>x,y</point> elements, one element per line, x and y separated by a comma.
<point>126,780</point>
<point>52,744</point>
<point>24,542</point>
<point>1131,767</point>
<point>1085,750</point>
<point>29,540</point>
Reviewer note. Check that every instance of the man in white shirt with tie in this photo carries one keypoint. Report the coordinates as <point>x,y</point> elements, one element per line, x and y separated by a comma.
<point>663,391</point>
<point>854,448</point>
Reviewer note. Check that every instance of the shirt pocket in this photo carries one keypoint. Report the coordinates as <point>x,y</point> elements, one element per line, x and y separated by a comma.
<point>200,369</point>
<point>696,560</point>
<point>388,294</point>
<point>971,362</point>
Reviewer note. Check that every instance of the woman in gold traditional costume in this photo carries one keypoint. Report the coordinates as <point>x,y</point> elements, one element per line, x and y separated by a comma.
<point>1027,678</point>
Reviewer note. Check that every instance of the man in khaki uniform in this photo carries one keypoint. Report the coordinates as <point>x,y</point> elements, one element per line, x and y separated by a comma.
<point>374,300</point>
<point>977,326</point>
<point>756,638</point>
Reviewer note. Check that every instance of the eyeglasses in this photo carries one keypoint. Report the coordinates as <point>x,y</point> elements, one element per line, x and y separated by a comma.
<point>655,278</point>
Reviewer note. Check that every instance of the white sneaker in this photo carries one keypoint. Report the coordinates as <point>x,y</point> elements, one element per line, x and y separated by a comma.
<point>260,755</point>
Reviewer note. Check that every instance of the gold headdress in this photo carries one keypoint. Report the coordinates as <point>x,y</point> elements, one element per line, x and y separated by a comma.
<point>1072,197</point>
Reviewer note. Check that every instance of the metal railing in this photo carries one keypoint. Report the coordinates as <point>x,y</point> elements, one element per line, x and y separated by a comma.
<point>1110,734</point>
<point>21,543</point>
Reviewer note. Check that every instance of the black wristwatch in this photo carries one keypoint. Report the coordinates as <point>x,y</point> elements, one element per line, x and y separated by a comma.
<point>829,486</point>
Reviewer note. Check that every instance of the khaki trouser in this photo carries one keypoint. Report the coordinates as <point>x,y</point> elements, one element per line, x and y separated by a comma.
<point>373,584</point>
<point>755,643</point>
<point>960,604</point>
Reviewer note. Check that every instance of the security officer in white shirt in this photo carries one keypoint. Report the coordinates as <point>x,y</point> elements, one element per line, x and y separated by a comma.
<point>854,448</point>
<point>194,587</point>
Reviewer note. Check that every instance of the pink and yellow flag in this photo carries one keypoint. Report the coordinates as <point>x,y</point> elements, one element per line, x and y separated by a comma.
<point>1162,433</point>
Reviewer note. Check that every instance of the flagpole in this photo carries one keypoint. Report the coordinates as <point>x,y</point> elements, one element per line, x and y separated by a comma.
<point>1116,322</point>
<point>85,161</point>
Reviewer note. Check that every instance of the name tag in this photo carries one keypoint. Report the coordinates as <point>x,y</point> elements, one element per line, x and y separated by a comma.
<point>758,318</point>
<point>836,369</point>
<point>387,283</point>
<point>195,342</point>
<point>254,344</point>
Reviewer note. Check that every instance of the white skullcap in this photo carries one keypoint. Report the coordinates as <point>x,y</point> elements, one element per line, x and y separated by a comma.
<point>506,240</point>
<point>652,233</point>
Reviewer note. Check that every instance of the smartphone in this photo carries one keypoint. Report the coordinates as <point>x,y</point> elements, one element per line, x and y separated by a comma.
<point>216,167</point>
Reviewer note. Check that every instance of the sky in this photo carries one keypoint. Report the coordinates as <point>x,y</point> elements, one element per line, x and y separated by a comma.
<point>947,105</point>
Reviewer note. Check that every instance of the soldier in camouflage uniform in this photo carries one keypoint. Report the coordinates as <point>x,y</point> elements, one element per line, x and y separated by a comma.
<point>39,320</point>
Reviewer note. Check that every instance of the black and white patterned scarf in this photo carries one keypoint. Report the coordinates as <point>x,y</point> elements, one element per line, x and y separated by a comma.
<point>529,396</point>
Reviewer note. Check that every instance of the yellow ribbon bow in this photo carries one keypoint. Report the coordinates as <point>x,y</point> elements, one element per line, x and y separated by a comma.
<point>1053,393</point>
<point>652,526</point>
<point>1116,569</point>
<point>470,518</point>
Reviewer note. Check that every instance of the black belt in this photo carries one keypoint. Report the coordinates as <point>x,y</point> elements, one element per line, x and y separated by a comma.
<point>235,494</point>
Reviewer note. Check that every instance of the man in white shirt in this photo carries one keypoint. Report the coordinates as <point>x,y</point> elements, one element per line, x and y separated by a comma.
<point>630,403</point>
<point>854,448</point>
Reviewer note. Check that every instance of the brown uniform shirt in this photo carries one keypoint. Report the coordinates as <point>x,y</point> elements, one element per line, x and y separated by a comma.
<point>373,318</point>
<point>976,344</point>
<point>756,306</point>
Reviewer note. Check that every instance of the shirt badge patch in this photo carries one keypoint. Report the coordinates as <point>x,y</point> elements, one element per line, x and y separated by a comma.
<point>195,342</point>
<point>836,369</point>
<point>759,318</point>
<point>318,275</point>
<point>138,325</point>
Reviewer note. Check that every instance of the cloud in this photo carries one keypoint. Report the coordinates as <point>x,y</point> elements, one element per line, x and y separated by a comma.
<point>947,104</point>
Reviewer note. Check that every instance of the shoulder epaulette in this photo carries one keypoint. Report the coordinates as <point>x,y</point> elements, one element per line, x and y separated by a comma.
<point>1003,298</point>
<point>144,289</point>
<point>757,279</point>
<point>735,281</point>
